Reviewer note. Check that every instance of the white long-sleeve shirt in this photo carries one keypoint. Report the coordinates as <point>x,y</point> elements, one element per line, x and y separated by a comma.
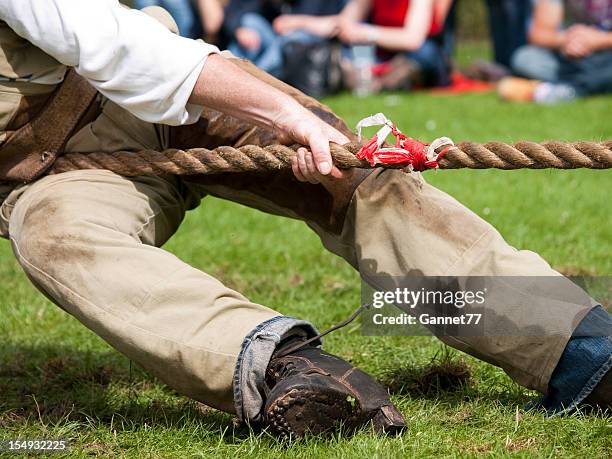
<point>126,55</point>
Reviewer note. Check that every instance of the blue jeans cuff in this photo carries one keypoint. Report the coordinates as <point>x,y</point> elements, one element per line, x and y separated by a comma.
<point>253,359</point>
<point>586,359</point>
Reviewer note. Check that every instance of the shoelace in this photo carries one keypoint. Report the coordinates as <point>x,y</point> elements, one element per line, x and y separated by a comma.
<point>342,324</point>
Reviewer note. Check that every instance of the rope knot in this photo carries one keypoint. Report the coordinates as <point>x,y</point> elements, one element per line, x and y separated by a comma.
<point>408,153</point>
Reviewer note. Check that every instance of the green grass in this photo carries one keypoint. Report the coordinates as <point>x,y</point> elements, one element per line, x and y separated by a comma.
<point>57,379</point>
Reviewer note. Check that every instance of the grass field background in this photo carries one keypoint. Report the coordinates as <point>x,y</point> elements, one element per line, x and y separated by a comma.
<point>57,379</point>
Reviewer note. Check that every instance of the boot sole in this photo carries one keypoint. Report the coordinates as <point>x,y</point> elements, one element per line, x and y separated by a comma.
<point>303,410</point>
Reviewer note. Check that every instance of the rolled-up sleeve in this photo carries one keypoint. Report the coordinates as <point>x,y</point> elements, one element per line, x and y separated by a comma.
<point>125,54</point>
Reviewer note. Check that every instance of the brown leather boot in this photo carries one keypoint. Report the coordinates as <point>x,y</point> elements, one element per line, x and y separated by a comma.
<point>313,391</point>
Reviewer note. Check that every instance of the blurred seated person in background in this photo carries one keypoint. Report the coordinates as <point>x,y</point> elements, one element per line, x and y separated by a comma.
<point>212,15</point>
<point>406,34</point>
<point>569,56</point>
<point>248,28</point>
<point>194,18</point>
<point>508,25</point>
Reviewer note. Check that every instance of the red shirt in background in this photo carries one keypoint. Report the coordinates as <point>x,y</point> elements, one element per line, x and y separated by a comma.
<point>392,13</point>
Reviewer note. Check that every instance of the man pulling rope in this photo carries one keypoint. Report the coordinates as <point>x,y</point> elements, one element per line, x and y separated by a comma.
<point>89,239</point>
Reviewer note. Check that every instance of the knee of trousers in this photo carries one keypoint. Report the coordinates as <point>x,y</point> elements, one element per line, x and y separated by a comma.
<point>397,225</point>
<point>70,226</point>
<point>48,236</point>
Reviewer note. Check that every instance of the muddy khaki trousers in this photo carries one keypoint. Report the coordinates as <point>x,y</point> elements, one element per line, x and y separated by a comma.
<point>90,241</point>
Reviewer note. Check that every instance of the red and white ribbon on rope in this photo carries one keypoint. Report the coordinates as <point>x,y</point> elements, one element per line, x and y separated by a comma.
<point>408,153</point>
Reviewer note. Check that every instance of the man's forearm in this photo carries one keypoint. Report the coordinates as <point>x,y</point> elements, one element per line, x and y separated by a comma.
<point>227,88</point>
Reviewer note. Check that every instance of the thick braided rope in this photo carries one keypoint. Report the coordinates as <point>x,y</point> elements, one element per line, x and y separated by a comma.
<point>252,158</point>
